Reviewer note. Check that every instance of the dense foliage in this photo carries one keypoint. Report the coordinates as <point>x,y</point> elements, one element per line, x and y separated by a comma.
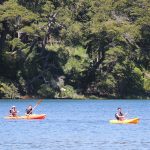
<point>74,48</point>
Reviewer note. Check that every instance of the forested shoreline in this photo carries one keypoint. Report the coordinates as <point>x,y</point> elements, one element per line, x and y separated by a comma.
<point>74,48</point>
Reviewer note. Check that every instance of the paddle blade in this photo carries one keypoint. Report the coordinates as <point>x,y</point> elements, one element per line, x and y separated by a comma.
<point>39,101</point>
<point>37,104</point>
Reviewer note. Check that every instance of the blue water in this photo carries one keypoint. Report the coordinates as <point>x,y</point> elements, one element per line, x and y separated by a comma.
<point>76,125</point>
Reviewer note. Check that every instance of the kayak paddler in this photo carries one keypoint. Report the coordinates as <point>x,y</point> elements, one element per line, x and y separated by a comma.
<point>29,110</point>
<point>119,115</point>
<point>13,111</point>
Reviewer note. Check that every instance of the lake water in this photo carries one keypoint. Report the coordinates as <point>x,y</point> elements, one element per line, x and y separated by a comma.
<point>76,125</point>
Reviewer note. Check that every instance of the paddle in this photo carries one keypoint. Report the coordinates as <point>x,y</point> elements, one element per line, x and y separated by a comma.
<point>36,105</point>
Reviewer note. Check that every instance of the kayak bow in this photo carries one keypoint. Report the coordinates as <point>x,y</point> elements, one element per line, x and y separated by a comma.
<point>127,121</point>
<point>33,116</point>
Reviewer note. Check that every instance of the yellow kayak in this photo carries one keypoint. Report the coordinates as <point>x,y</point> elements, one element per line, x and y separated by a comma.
<point>127,121</point>
<point>33,116</point>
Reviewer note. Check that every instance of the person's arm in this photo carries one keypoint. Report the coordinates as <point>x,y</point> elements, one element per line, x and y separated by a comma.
<point>16,112</point>
<point>122,117</point>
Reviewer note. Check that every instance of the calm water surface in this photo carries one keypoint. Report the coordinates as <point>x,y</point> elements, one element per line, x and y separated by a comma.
<point>76,125</point>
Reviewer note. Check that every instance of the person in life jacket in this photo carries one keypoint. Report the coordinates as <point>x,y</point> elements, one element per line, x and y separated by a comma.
<point>29,110</point>
<point>119,115</point>
<point>13,111</point>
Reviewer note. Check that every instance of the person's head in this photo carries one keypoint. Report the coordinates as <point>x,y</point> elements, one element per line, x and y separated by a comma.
<point>119,109</point>
<point>30,106</point>
<point>13,107</point>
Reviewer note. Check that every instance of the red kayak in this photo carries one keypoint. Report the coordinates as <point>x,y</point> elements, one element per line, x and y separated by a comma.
<point>33,116</point>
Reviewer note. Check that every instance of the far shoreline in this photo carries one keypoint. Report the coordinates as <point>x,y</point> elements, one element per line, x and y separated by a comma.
<point>78,99</point>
